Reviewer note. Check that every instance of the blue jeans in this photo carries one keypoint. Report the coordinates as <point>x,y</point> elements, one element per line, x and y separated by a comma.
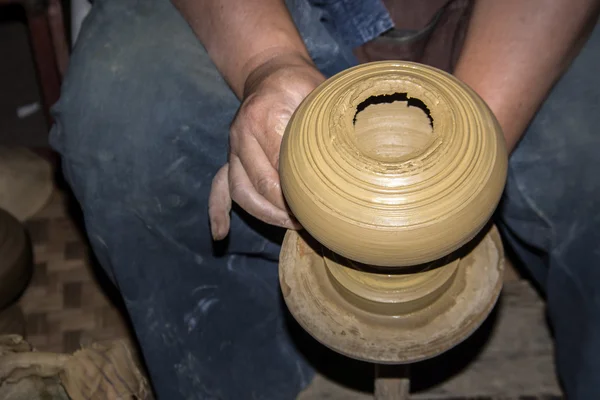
<point>142,126</point>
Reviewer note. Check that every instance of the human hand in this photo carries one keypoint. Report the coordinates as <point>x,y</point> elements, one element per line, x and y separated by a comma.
<point>272,93</point>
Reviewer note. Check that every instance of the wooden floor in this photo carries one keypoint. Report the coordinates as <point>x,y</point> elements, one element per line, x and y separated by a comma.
<point>510,357</point>
<point>65,303</point>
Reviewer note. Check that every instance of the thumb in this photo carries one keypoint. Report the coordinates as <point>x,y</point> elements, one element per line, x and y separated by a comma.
<point>219,204</point>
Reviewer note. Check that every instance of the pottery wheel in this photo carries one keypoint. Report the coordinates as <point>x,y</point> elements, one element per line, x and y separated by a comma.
<point>318,305</point>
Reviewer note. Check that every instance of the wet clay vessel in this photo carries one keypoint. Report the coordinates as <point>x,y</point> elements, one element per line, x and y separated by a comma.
<point>382,195</point>
<point>394,169</point>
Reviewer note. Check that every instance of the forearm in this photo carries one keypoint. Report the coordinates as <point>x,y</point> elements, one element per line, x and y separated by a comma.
<point>515,50</point>
<point>240,35</point>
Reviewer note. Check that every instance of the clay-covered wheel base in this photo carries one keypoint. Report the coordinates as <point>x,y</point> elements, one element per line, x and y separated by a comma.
<point>329,317</point>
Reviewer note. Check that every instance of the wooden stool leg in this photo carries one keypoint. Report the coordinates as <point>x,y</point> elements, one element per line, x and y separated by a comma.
<point>45,58</point>
<point>59,36</point>
<point>392,382</point>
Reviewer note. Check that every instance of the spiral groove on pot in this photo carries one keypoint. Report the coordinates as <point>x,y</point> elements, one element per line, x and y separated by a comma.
<point>393,211</point>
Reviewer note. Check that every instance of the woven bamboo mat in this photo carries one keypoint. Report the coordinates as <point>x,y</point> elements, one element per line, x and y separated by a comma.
<point>65,305</point>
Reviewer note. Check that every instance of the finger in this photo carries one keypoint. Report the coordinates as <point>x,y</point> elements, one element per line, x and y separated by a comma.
<point>243,193</point>
<point>261,172</point>
<point>219,204</point>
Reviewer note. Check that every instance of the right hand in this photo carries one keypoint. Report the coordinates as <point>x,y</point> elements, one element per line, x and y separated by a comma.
<point>272,93</point>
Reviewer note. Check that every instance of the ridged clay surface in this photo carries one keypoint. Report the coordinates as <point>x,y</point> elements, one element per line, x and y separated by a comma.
<point>391,190</point>
<point>371,333</point>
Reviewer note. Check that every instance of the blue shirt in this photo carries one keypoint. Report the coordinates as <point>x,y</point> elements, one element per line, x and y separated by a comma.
<point>356,21</point>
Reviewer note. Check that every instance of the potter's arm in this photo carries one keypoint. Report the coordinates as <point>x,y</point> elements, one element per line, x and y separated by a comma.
<point>515,50</point>
<point>242,35</point>
<point>258,50</point>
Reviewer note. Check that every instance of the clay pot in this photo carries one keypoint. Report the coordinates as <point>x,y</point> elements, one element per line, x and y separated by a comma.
<point>26,181</point>
<point>15,259</point>
<point>393,164</point>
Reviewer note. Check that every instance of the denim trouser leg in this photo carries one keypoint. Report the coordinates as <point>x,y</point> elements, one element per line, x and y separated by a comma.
<point>142,126</point>
<point>551,216</point>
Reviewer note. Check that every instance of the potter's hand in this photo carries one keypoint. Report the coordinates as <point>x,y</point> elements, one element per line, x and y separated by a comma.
<point>272,93</point>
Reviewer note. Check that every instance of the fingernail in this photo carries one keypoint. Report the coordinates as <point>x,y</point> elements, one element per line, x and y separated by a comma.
<point>215,230</point>
<point>293,224</point>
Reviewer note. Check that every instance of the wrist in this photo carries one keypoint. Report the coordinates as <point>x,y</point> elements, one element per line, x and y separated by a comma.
<point>275,60</point>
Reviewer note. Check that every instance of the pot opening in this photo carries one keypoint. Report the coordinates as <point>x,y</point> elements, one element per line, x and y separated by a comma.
<point>393,127</point>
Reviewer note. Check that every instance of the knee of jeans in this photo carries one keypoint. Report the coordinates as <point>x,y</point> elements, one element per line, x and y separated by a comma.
<point>129,148</point>
<point>140,93</point>
<point>131,121</point>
